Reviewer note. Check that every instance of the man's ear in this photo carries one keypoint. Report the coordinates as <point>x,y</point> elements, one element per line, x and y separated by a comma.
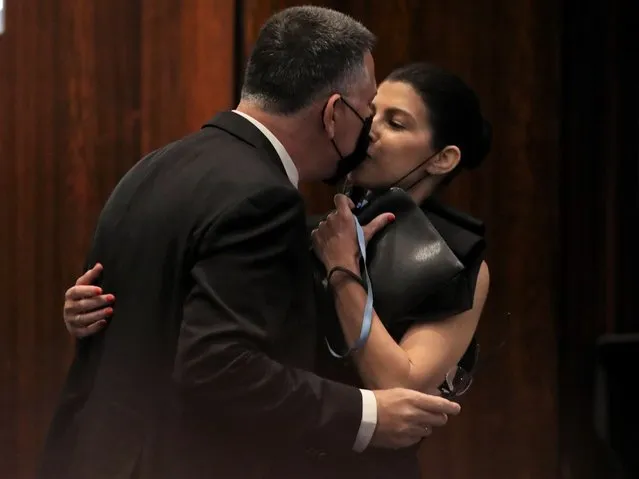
<point>445,161</point>
<point>328,115</point>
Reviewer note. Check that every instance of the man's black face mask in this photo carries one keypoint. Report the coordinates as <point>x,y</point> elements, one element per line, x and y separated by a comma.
<point>349,162</point>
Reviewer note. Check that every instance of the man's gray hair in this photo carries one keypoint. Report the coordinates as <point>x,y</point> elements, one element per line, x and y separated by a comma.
<point>303,53</point>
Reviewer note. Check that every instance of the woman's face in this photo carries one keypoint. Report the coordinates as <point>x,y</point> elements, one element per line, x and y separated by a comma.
<point>400,138</point>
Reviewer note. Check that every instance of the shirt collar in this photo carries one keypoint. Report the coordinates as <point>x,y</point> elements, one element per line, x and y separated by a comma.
<point>287,161</point>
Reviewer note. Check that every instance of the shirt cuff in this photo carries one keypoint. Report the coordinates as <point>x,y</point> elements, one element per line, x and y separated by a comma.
<point>369,421</point>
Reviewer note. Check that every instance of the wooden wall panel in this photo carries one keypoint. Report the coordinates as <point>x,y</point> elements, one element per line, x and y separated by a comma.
<point>599,201</point>
<point>508,51</point>
<point>187,66</point>
<point>69,90</point>
<point>85,89</point>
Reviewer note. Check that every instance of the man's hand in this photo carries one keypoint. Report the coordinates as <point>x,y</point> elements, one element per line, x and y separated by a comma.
<point>335,238</point>
<point>405,416</point>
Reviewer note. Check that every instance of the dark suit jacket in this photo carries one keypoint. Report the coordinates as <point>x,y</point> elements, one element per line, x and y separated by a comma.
<point>203,369</point>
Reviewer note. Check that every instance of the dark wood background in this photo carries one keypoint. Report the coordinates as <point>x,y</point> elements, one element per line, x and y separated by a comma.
<point>87,87</point>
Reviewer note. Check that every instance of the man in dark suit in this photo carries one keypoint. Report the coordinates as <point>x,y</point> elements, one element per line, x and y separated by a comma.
<point>203,370</point>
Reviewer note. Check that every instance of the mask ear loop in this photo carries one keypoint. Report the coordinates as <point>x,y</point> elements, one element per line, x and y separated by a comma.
<point>415,169</point>
<point>366,197</point>
<point>370,195</point>
<point>339,153</point>
<point>361,118</point>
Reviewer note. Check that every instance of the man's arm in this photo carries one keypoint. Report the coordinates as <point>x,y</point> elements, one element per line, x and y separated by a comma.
<point>243,286</point>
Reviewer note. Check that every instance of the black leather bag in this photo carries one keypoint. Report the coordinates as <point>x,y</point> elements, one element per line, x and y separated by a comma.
<point>407,260</point>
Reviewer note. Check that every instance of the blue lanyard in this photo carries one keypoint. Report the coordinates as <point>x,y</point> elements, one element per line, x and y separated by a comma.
<point>367,320</point>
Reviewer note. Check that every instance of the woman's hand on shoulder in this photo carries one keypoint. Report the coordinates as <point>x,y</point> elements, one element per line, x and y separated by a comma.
<point>86,308</point>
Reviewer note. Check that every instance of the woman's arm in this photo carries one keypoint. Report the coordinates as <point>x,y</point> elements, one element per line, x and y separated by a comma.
<point>86,309</point>
<point>426,352</point>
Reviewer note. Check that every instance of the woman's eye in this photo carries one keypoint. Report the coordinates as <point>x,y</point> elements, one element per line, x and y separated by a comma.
<point>395,125</point>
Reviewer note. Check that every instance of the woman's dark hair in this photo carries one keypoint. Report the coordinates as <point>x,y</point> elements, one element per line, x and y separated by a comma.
<point>454,111</point>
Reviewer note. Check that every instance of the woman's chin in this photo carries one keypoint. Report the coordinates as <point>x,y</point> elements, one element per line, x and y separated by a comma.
<point>356,178</point>
<point>363,182</point>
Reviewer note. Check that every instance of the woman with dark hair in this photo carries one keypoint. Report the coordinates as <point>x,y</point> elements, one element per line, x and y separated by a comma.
<point>427,126</point>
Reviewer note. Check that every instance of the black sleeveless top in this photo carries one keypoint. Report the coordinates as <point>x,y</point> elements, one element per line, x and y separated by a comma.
<point>465,237</point>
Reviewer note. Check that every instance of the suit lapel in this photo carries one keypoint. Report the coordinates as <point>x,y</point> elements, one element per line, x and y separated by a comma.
<point>243,129</point>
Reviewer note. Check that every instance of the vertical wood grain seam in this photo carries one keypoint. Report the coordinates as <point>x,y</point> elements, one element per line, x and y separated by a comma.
<point>238,50</point>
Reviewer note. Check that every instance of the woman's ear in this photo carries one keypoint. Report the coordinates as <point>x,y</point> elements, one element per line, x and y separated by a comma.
<point>445,161</point>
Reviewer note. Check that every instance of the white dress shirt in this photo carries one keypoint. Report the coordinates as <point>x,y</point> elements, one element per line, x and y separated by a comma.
<point>369,403</point>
